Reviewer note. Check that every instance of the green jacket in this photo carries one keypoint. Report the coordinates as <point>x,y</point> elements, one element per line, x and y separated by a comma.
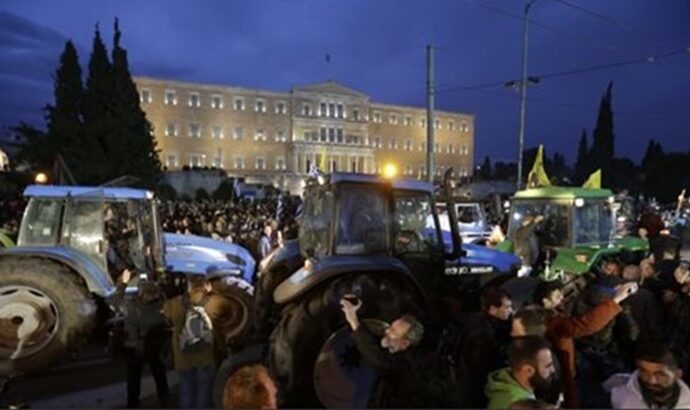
<point>502,390</point>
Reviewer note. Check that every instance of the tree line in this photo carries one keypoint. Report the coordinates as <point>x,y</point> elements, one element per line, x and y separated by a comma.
<point>660,174</point>
<point>97,128</point>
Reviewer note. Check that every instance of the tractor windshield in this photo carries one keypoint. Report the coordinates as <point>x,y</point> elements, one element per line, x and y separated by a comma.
<point>414,223</point>
<point>362,220</point>
<point>315,223</point>
<point>41,223</point>
<point>552,231</point>
<point>593,223</point>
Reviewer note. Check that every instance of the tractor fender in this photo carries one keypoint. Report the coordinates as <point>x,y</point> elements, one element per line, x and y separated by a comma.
<point>286,257</point>
<point>97,280</point>
<point>326,269</point>
<point>194,254</point>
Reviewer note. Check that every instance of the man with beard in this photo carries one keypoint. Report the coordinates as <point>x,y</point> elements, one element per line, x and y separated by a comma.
<point>399,383</point>
<point>656,384</point>
<point>561,330</point>
<point>531,367</point>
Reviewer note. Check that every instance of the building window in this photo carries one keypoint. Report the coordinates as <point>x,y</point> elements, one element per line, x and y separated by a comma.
<point>437,147</point>
<point>194,130</point>
<point>465,127</point>
<point>377,117</point>
<point>260,106</point>
<point>170,97</point>
<point>451,149</point>
<point>171,129</point>
<point>376,142</point>
<point>306,110</point>
<point>393,143</point>
<point>322,110</point>
<point>422,171</point>
<point>465,151</point>
<point>422,122</point>
<point>422,146</point>
<point>408,120</point>
<point>195,160</point>
<point>323,134</point>
<point>339,135</point>
<point>239,162</point>
<point>331,110</point>
<point>238,133</point>
<point>408,145</point>
<point>355,114</point>
<point>355,139</point>
<point>451,126</point>
<point>408,170</point>
<point>145,96</point>
<point>260,135</point>
<point>171,162</point>
<point>341,111</point>
<point>239,104</point>
<point>393,119</point>
<point>281,136</point>
<point>194,100</point>
<point>437,124</point>
<point>218,159</point>
<point>217,132</point>
<point>259,163</point>
<point>280,164</point>
<point>217,102</point>
<point>331,135</point>
<point>280,107</point>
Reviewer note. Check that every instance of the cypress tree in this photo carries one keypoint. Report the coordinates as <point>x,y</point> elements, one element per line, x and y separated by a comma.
<point>98,97</point>
<point>64,119</point>
<point>603,150</point>
<point>132,134</point>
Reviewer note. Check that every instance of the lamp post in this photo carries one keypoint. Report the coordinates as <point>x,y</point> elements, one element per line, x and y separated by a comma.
<point>523,96</point>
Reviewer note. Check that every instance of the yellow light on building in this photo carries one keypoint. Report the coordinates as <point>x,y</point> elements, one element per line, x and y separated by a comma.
<point>390,171</point>
<point>41,178</point>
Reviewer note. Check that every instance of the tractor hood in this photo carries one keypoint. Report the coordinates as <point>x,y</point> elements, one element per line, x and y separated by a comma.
<point>194,254</point>
<point>477,255</point>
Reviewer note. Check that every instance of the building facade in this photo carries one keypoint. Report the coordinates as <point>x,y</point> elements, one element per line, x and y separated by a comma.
<point>277,138</point>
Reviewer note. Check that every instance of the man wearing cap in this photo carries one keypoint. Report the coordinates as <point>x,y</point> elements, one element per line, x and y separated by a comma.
<point>221,310</point>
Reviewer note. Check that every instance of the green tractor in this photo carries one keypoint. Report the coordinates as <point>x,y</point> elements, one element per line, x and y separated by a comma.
<point>576,232</point>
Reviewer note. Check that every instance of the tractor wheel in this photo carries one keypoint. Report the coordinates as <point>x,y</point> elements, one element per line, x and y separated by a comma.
<point>237,320</point>
<point>266,311</point>
<point>45,311</point>
<point>312,353</point>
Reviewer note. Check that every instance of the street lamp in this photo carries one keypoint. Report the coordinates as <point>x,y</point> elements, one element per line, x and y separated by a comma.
<point>523,96</point>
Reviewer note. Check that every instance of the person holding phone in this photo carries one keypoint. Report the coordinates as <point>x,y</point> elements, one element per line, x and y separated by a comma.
<point>399,383</point>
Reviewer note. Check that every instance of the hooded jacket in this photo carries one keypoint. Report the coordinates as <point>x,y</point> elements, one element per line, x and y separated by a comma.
<point>502,390</point>
<point>626,393</point>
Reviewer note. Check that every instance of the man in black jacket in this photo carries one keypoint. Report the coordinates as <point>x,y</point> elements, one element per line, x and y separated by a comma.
<point>399,377</point>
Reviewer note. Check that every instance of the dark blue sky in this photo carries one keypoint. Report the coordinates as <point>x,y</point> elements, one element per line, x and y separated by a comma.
<point>377,47</point>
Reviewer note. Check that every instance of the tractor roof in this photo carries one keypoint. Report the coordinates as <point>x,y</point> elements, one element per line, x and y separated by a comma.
<point>63,191</point>
<point>397,183</point>
<point>558,192</point>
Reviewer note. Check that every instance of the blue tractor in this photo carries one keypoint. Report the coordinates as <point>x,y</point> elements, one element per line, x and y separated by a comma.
<point>58,283</point>
<point>379,239</point>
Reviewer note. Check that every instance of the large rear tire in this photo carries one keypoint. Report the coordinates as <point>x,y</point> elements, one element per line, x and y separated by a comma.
<point>47,301</point>
<point>237,315</point>
<point>310,328</point>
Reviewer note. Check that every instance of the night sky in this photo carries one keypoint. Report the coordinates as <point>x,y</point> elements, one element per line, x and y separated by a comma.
<point>378,47</point>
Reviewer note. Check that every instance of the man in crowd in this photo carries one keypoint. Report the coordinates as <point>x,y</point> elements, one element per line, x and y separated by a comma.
<point>482,345</point>
<point>656,384</point>
<point>394,357</point>
<point>526,243</point>
<point>531,367</point>
<point>561,330</point>
<point>250,387</point>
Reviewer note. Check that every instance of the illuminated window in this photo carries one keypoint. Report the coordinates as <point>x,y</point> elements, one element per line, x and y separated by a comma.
<point>322,110</point>
<point>238,133</point>
<point>194,130</point>
<point>216,102</point>
<point>281,136</point>
<point>280,107</point>
<point>145,95</point>
<point>339,135</point>
<point>437,124</point>
<point>259,163</point>
<point>260,106</point>
<point>306,110</point>
<point>170,97</point>
<point>393,143</point>
<point>195,160</point>
<point>239,162</point>
<point>217,132</point>
<point>377,117</point>
<point>260,135</point>
<point>171,129</point>
<point>171,161</point>
<point>239,104</point>
<point>451,126</point>
<point>393,119</point>
<point>408,145</point>
<point>194,100</point>
<point>422,122</point>
<point>355,114</point>
<point>408,120</point>
<point>340,112</point>
<point>280,164</point>
<point>331,110</point>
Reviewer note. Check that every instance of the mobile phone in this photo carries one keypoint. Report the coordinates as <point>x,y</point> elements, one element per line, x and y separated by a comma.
<point>352,299</point>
